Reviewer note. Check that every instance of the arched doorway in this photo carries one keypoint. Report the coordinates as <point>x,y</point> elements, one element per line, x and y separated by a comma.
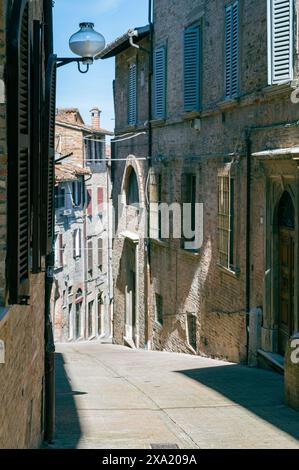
<point>286,256</point>
<point>78,318</point>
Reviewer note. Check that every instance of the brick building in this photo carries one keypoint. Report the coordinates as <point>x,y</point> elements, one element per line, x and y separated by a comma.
<point>215,122</point>
<point>26,159</point>
<point>81,297</point>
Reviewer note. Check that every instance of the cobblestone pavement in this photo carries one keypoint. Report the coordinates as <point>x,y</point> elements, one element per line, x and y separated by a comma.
<point>111,397</point>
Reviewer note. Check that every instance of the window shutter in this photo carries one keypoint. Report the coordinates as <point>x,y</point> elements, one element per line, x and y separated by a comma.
<point>191,68</point>
<point>49,155</point>
<point>90,256</point>
<point>232,50</point>
<point>280,40</point>
<point>132,92</point>
<point>74,243</point>
<point>160,82</point>
<point>36,147</point>
<point>100,252</point>
<point>61,249</point>
<point>18,109</point>
<point>89,201</point>
<point>100,199</point>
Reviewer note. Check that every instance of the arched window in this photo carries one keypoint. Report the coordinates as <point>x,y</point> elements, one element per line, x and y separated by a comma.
<point>132,189</point>
<point>286,212</point>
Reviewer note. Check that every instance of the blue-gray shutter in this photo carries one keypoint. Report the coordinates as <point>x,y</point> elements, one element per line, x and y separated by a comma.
<point>281,41</point>
<point>191,68</point>
<point>232,50</point>
<point>132,98</point>
<point>160,83</point>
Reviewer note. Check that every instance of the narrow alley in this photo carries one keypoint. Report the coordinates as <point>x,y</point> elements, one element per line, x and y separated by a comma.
<point>112,397</point>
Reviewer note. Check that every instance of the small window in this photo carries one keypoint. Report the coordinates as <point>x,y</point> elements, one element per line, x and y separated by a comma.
<point>100,253</point>
<point>89,202</point>
<point>90,319</point>
<point>90,257</point>
<point>59,197</point>
<point>191,330</point>
<point>77,193</point>
<point>133,191</point>
<point>159,309</point>
<point>226,220</point>
<point>77,243</point>
<point>189,207</point>
<point>59,249</point>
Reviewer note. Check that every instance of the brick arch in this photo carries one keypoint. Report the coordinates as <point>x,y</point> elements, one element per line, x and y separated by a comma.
<point>132,164</point>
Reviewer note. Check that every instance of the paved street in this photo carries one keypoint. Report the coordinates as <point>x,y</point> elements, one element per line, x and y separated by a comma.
<point>113,397</point>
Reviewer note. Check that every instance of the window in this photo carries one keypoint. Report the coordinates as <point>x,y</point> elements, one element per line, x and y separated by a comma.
<point>59,251</point>
<point>159,194</point>
<point>98,150</point>
<point>226,221</point>
<point>159,309</point>
<point>100,253</point>
<point>89,202</point>
<point>188,198</point>
<point>100,200</point>
<point>160,83</point>
<point>77,243</point>
<point>280,41</point>
<point>133,191</point>
<point>100,315</point>
<point>232,50</point>
<point>71,326</point>
<point>191,330</point>
<point>192,68</point>
<point>132,95</point>
<point>90,257</point>
<point>59,197</point>
<point>77,193</point>
<point>90,319</point>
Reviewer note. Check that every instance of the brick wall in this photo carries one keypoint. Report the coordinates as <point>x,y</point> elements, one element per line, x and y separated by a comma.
<point>22,375</point>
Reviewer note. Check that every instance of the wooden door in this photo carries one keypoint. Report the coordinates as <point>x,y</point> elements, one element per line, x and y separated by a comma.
<point>286,321</point>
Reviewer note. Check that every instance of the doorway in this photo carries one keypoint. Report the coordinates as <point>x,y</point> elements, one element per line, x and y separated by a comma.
<point>286,253</point>
<point>130,292</point>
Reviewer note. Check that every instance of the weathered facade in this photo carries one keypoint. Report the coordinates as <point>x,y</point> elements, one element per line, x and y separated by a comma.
<point>81,298</point>
<point>222,131</point>
<point>25,234</point>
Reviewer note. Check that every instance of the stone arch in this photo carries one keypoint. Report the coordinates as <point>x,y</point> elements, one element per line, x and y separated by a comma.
<point>132,164</point>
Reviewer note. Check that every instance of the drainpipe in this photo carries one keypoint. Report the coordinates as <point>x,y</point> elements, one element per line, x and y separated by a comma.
<point>248,237</point>
<point>49,355</point>
<point>150,151</point>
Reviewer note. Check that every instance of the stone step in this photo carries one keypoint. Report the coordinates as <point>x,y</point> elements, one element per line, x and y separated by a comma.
<point>272,361</point>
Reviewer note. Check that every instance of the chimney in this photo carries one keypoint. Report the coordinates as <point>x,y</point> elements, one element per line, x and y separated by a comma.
<point>95,118</point>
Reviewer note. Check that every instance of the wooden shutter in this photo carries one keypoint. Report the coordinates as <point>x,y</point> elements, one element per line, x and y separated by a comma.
<point>90,256</point>
<point>160,83</point>
<point>280,40</point>
<point>89,201</point>
<point>36,146</point>
<point>100,199</point>
<point>74,243</point>
<point>191,68</point>
<point>48,157</point>
<point>232,50</point>
<point>132,98</point>
<point>18,113</point>
<point>100,252</point>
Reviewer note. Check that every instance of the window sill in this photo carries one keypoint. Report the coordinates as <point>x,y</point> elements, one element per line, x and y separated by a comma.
<point>234,274</point>
<point>158,122</point>
<point>278,89</point>
<point>190,115</point>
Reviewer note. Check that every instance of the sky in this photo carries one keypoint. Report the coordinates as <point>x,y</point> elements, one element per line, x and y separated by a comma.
<point>112,18</point>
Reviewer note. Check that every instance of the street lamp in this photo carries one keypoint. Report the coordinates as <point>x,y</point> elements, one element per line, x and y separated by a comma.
<point>85,43</point>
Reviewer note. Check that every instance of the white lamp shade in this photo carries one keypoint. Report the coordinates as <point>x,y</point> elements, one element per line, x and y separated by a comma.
<point>87,42</point>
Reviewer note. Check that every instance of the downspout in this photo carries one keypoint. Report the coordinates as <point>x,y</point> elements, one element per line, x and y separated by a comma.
<point>150,151</point>
<point>248,237</point>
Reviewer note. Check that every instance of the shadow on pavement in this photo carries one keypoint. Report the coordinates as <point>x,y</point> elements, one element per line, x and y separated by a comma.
<point>257,390</point>
<point>68,429</point>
